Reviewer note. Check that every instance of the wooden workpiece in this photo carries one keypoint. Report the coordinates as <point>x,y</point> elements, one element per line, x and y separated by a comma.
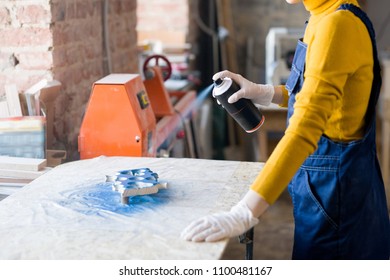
<point>21,163</point>
<point>70,212</point>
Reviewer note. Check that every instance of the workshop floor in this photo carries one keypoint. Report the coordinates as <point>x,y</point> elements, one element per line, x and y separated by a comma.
<point>273,236</point>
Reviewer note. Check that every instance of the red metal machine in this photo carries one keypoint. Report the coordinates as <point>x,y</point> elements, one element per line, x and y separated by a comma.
<point>126,116</point>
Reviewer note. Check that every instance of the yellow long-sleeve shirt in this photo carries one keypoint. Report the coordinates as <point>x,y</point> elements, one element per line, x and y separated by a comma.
<point>334,97</point>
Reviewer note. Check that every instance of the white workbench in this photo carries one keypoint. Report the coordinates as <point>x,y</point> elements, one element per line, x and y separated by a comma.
<point>71,213</point>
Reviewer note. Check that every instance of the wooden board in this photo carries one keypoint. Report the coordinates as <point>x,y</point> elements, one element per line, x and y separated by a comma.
<point>22,163</point>
<point>14,107</point>
<point>4,113</point>
<point>14,181</point>
<point>228,45</point>
<point>23,174</point>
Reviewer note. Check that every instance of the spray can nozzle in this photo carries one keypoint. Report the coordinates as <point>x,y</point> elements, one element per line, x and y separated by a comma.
<point>218,81</point>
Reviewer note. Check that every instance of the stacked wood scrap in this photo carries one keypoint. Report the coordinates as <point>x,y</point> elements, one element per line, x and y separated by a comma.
<point>32,102</point>
<point>16,172</point>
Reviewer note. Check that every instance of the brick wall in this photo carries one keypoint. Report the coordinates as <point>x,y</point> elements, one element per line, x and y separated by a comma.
<point>164,20</point>
<point>25,42</point>
<point>63,40</point>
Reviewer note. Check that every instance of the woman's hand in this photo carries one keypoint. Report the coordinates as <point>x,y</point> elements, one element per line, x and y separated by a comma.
<point>259,94</point>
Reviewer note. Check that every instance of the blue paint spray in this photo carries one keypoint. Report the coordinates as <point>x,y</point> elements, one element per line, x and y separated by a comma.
<point>202,95</point>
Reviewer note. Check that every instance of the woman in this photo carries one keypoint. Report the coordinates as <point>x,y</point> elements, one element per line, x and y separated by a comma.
<point>327,156</point>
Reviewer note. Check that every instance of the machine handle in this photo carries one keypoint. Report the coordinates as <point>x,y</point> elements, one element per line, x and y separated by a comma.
<point>166,67</point>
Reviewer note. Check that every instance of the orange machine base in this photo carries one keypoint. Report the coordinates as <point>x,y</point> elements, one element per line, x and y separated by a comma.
<point>119,120</point>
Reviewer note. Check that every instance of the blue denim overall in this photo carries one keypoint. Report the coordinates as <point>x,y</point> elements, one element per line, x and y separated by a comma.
<point>338,193</point>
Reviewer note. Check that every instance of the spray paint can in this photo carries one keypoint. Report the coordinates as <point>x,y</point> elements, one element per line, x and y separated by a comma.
<point>244,112</point>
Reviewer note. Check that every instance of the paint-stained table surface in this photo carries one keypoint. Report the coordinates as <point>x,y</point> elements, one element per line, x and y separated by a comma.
<point>71,213</point>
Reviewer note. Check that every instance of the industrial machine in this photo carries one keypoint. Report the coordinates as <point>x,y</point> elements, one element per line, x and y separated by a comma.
<point>127,116</point>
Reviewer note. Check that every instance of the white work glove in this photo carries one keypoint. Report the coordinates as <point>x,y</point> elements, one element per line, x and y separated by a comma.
<point>258,93</point>
<point>221,225</point>
<point>240,219</point>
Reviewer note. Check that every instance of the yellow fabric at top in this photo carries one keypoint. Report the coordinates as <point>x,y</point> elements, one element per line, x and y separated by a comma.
<point>334,97</point>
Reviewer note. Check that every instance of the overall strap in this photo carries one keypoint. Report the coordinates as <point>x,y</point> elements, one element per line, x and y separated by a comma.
<point>377,81</point>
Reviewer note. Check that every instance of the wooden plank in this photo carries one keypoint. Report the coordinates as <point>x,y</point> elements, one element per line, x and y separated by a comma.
<point>47,98</point>
<point>13,101</point>
<point>22,163</point>
<point>4,113</point>
<point>18,181</point>
<point>228,56</point>
<point>32,98</point>
<point>228,45</point>
<point>23,174</point>
<point>222,45</point>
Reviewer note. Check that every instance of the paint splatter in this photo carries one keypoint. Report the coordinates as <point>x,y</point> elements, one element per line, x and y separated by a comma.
<point>100,198</point>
